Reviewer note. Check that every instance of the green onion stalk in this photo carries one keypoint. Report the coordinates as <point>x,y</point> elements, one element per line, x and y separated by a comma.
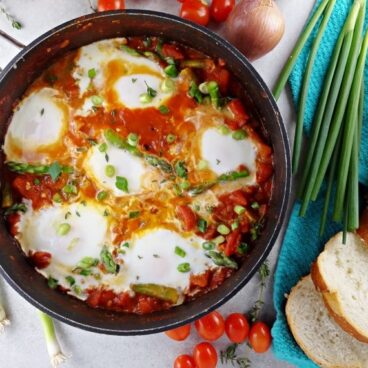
<point>4,321</point>
<point>53,347</point>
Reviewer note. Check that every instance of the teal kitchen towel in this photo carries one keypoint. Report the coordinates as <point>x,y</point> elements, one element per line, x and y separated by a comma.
<point>302,244</point>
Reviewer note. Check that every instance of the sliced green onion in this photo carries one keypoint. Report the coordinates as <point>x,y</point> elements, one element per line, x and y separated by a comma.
<point>202,225</point>
<point>208,245</point>
<point>219,240</point>
<point>223,129</point>
<point>255,205</point>
<point>239,135</point>
<point>129,50</point>
<point>184,267</point>
<point>110,171</point>
<point>285,73</point>
<point>63,229</point>
<point>102,147</point>
<point>195,93</point>
<point>164,109</point>
<point>52,283</point>
<point>170,138</point>
<point>53,347</point>
<point>185,185</point>
<point>167,85</point>
<point>133,139</point>
<point>223,229</point>
<point>70,189</point>
<point>92,73</point>
<point>202,165</point>
<point>243,248</point>
<point>171,71</point>
<point>235,225</point>
<point>97,100</point>
<point>145,98</point>
<point>214,92</point>
<point>122,184</point>
<point>180,252</point>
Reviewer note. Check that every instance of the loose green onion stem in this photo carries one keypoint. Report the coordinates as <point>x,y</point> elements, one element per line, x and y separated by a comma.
<point>305,86</point>
<point>285,73</point>
<point>53,347</point>
<point>349,130</point>
<point>338,74</point>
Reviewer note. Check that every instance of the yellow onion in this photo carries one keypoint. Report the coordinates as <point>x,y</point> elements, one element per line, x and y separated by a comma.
<point>255,27</point>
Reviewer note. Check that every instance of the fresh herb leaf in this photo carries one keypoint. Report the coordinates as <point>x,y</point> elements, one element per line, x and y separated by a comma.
<point>150,91</point>
<point>164,110</point>
<point>108,261</point>
<point>229,356</point>
<point>122,184</point>
<point>54,171</point>
<point>16,207</point>
<point>52,283</point>
<point>202,225</point>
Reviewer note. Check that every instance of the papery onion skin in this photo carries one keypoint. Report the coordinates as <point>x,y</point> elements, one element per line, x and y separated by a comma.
<point>255,27</point>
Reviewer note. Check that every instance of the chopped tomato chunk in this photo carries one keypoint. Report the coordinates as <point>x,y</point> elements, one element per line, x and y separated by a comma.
<point>40,259</point>
<point>172,51</point>
<point>187,216</point>
<point>237,109</point>
<point>232,242</point>
<point>200,280</point>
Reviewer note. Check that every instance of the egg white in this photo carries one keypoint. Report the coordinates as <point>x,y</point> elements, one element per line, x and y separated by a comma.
<point>140,176</point>
<point>225,154</point>
<point>39,122</point>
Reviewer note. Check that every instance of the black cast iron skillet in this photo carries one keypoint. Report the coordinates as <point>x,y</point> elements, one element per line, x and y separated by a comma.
<point>30,63</point>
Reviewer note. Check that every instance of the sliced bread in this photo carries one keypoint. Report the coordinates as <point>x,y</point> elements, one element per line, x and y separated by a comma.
<point>318,334</point>
<point>341,274</point>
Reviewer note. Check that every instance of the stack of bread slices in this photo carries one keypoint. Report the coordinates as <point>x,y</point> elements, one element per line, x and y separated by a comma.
<point>327,311</point>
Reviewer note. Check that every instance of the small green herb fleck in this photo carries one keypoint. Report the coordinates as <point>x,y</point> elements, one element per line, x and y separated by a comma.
<point>108,261</point>
<point>92,73</point>
<point>133,139</point>
<point>63,229</point>
<point>164,109</point>
<point>70,280</point>
<point>239,209</point>
<point>223,229</point>
<point>134,214</point>
<point>184,267</point>
<point>52,283</point>
<point>110,171</point>
<point>202,225</point>
<point>102,195</point>
<point>180,252</point>
<point>181,170</point>
<point>208,245</point>
<point>170,138</point>
<point>238,135</point>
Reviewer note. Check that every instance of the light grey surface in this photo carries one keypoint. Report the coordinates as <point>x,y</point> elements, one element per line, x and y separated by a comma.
<point>22,345</point>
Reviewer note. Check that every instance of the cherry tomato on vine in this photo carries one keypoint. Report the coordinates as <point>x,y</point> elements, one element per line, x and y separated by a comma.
<point>195,10</point>
<point>104,5</point>
<point>184,361</point>
<point>220,9</point>
<point>260,337</point>
<point>236,328</point>
<point>210,327</point>
<point>205,355</point>
<point>180,333</point>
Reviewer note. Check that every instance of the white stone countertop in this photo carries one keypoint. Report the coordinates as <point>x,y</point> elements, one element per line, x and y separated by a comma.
<point>22,345</point>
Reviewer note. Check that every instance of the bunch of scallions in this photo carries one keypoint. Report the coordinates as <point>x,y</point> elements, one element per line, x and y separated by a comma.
<point>332,151</point>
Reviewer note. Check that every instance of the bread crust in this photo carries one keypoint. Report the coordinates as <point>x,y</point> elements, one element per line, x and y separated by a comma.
<point>299,341</point>
<point>333,304</point>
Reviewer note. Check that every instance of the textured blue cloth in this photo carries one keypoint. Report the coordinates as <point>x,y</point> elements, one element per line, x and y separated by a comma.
<point>302,244</point>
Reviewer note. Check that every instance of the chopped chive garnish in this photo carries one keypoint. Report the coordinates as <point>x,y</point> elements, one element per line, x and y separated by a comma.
<point>180,252</point>
<point>110,171</point>
<point>70,189</point>
<point>129,50</point>
<point>63,229</point>
<point>208,245</point>
<point>145,98</point>
<point>122,184</point>
<point>126,245</point>
<point>87,262</point>
<point>91,73</point>
<point>167,85</point>
<point>185,185</point>
<point>223,229</point>
<point>102,147</point>
<point>134,214</point>
<point>170,138</point>
<point>101,195</point>
<point>202,225</point>
<point>164,109</point>
<point>171,70</point>
<point>70,280</point>
<point>255,205</point>
<point>202,165</point>
<point>235,225</point>
<point>52,283</point>
<point>133,139</point>
<point>181,170</point>
<point>243,248</point>
<point>97,100</point>
<point>195,93</point>
<point>219,240</point>
<point>223,129</point>
<point>240,134</point>
<point>239,209</point>
<point>57,198</point>
<point>184,267</point>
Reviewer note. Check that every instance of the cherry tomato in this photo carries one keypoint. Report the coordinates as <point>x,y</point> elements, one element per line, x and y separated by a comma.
<point>184,361</point>
<point>236,328</point>
<point>210,327</point>
<point>220,9</point>
<point>187,216</point>
<point>196,11</point>
<point>205,355</point>
<point>104,5</point>
<point>180,333</point>
<point>40,259</point>
<point>260,337</point>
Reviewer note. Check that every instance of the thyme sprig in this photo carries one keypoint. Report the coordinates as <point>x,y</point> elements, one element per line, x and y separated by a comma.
<point>15,24</point>
<point>263,273</point>
<point>229,356</point>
